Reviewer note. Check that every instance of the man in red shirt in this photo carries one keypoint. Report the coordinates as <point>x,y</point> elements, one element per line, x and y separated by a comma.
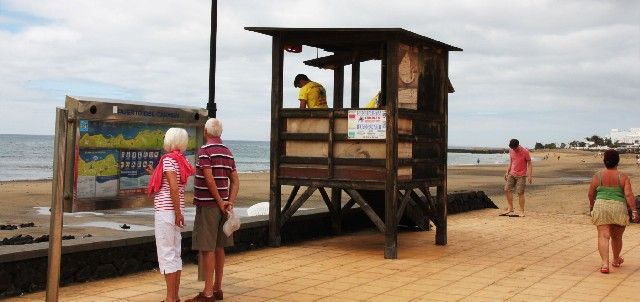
<point>519,169</point>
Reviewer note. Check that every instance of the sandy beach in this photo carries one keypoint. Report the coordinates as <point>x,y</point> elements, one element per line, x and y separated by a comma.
<point>559,187</point>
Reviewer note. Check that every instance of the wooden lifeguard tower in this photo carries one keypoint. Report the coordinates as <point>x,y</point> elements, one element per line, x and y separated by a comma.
<point>389,176</point>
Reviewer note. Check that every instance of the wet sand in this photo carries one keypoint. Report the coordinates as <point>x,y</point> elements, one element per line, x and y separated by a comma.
<point>559,187</point>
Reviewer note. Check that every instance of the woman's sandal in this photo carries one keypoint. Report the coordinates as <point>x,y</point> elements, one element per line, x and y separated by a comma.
<point>604,269</point>
<point>619,263</point>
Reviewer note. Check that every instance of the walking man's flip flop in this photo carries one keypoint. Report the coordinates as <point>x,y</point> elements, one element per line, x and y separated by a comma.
<point>508,213</point>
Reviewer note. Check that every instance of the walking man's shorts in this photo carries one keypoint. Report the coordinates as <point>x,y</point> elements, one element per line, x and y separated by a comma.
<point>516,182</point>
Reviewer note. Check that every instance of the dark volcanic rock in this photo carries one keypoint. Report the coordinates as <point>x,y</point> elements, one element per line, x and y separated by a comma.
<point>5,280</point>
<point>129,266</point>
<point>149,266</point>
<point>27,225</point>
<point>105,271</point>
<point>84,273</point>
<point>43,238</point>
<point>8,227</point>
<point>18,240</point>
<point>27,239</point>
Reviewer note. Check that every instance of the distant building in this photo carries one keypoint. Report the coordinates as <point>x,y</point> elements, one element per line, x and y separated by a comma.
<point>631,136</point>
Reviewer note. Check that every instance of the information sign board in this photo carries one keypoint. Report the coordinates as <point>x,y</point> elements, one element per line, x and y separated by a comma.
<point>367,124</point>
<point>114,141</point>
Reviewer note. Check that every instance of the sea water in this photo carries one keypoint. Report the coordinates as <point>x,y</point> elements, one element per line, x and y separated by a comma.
<point>25,157</point>
<point>30,157</point>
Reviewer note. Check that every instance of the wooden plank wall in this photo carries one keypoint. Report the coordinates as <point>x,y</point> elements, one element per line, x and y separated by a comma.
<point>307,139</point>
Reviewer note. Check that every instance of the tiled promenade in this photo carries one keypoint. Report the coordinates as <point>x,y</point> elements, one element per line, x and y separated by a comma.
<point>489,258</point>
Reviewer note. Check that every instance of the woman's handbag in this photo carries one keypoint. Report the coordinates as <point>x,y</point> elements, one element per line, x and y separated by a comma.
<point>232,224</point>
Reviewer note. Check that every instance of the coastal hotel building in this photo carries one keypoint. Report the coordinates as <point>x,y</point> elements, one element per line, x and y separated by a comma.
<point>631,136</point>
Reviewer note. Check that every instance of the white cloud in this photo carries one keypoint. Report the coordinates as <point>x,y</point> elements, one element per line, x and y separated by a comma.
<point>537,70</point>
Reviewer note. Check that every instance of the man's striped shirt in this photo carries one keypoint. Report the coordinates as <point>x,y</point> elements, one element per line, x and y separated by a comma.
<point>216,156</point>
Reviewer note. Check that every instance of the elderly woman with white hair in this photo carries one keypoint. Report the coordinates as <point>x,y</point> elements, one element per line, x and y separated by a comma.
<point>168,182</point>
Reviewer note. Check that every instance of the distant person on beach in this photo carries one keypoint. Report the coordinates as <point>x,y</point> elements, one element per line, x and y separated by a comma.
<point>312,95</point>
<point>519,169</point>
<point>638,160</point>
<point>478,161</point>
<point>215,191</point>
<point>610,197</point>
<point>167,182</point>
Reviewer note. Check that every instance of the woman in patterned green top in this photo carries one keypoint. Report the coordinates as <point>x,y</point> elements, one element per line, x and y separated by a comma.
<point>609,196</point>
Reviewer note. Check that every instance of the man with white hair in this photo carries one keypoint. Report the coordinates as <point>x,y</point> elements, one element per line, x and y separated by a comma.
<point>215,191</point>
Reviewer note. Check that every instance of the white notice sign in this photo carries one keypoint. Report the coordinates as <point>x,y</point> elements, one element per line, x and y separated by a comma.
<point>367,124</point>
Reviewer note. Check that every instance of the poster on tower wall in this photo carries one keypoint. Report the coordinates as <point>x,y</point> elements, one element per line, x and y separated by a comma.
<point>367,124</point>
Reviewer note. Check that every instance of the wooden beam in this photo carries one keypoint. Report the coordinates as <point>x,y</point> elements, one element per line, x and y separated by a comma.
<point>441,216</point>
<point>404,199</point>
<point>326,199</point>
<point>340,59</point>
<point>391,190</point>
<point>441,231</point>
<point>367,209</point>
<point>297,204</point>
<point>330,147</point>
<point>336,216</point>
<point>353,184</point>
<point>338,88</point>
<point>303,160</point>
<point>304,113</point>
<point>369,162</point>
<point>420,201</point>
<point>355,85</point>
<point>294,192</point>
<point>417,211</point>
<point>277,58</point>
<point>348,205</point>
<point>305,136</point>
<point>419,115</point>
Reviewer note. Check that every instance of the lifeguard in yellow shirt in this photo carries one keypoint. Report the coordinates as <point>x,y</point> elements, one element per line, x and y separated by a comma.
<point>312,95</point>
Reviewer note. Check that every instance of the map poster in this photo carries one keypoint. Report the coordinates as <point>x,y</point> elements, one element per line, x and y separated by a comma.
<point>97,173</point>
<point>113,157</point>
<point>367,124</point>
<point>133,176</point>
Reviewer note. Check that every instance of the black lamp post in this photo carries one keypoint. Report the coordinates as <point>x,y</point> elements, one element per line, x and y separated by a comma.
<point>211,104</point>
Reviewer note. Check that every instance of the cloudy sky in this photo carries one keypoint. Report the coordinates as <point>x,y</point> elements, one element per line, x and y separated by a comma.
<point>541,71</point>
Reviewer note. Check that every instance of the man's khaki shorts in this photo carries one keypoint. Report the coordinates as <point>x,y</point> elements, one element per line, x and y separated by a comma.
<point>517,182</point>
<point>207,230</point>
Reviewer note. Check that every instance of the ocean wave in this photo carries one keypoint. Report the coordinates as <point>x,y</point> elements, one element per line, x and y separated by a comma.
<point>254,171</point>
<point>30,178</point>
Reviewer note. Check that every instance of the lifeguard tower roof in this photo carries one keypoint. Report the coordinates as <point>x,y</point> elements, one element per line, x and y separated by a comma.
<point>345,41</point>
<point>328,38</point>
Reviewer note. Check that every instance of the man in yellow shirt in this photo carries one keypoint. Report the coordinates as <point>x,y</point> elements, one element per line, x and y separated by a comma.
<point>312,95</point>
